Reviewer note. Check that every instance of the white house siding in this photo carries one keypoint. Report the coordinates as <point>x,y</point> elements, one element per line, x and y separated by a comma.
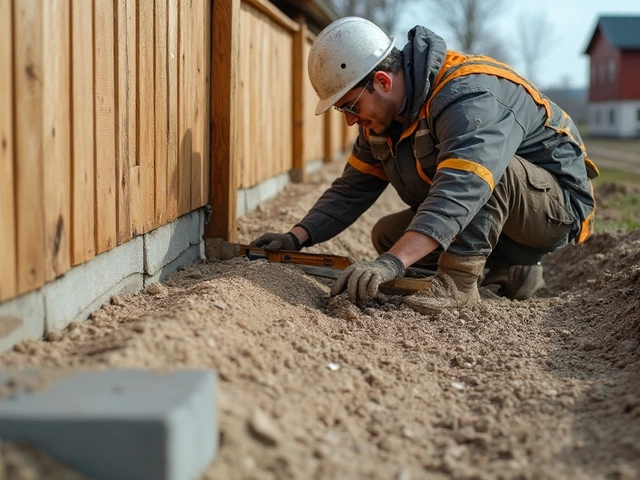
<point>615,119</point>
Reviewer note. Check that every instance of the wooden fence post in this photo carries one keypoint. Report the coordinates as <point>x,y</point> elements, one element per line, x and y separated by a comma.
<point>299,171</point>
<point>224,121</point>
<point>328,137</point>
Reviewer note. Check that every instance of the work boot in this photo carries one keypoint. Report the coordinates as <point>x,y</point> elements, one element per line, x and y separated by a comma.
<point>454,285</point>
<point>517,282</point>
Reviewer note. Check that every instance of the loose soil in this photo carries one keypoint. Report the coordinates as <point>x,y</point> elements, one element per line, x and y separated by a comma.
<point>313,387</point>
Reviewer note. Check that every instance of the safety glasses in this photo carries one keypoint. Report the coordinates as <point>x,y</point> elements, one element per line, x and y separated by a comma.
<point>350,108</point>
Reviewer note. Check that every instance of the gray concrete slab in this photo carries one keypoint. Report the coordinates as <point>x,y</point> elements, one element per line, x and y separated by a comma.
<point>117,424</point>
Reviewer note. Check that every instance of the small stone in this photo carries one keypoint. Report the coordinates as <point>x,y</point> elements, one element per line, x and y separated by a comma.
<point>457,385</point>
<point>54,337</point>
<point>465,434</point>
<point>264,428</point>
<point>334,367</point>
<point>117,301</point>
<point>588,346</point>
<point>219,304</point>
<point>138,328</point>
<point>156,289</point>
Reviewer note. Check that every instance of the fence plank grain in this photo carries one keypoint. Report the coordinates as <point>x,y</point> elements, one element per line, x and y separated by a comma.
<point>146,110</point>
<point>105,134</point>
<point>83,149</point>
<point>7,203</point>
<point>125,118</point>
<point>29,145</point>
<point>161,112</point>
<point>57,136</point>
<point>185,133</point>
<point>197,105</point>
<point>172,93</point>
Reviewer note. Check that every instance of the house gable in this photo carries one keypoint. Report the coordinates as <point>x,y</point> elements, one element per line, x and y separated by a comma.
<point>614,51</point>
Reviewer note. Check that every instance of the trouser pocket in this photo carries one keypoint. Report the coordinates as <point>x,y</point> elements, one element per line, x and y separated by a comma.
<point>538,215</point>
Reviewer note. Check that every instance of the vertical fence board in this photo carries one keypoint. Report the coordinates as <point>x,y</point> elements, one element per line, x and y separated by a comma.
<point>299,171</point>
<point>185,135</point>
<point>146,110</point>
<point>125,102</point>
<point>198,102</point>
<point>105,135</point>
<point>241,101</point>
<point>224,82</point>
<point>328,136</point>
<point>57,136</point>
<point>83,151</point>
<point>135,191</point>
<point>172,92</point>
<point>206,104</point>
<point>29,149</point>
<point>161,113</point>
<point>7,205</point>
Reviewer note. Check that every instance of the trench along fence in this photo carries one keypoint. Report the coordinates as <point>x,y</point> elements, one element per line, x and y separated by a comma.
<point>118,116</point>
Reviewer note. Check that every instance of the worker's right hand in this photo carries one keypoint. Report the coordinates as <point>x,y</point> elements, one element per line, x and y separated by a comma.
<point>277,241</point>
<point>362,279</point>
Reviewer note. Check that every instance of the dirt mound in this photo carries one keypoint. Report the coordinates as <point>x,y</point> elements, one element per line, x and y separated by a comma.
<point>316,387</point>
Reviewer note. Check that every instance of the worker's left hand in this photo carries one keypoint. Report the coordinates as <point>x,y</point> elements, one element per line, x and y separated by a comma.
<point>361,280</point>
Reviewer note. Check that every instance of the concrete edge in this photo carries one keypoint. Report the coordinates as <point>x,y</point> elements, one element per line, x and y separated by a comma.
<point>125,269</point>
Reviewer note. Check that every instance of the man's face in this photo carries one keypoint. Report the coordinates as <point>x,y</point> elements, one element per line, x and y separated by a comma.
<point>368,109</point>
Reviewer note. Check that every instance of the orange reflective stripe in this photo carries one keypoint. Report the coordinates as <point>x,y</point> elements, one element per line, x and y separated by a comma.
<point>375,170</point>
<point>587,226</point>
<point>468,166</point>
<point>423,176</point>
<point>485,65</point>
<point>591,165</point>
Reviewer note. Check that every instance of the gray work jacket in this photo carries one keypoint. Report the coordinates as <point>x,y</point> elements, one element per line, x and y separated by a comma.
<point>467,117</point>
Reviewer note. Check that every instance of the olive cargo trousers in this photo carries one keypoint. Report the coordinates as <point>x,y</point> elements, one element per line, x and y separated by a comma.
<point>525,218</point>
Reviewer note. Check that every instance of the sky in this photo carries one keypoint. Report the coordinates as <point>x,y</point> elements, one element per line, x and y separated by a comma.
<point>573,23</point>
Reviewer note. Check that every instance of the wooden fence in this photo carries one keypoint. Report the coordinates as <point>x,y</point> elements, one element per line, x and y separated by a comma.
<point>118,116</point>
<point>104,127</point>
<point>263,121</point>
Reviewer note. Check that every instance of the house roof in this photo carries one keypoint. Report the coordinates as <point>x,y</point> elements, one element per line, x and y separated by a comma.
<point>622,32</point>
<point>319,13</point>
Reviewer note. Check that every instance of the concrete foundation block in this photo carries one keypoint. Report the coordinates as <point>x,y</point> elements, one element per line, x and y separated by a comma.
<point>117,424</point>
<point>252,198</point>
<point>21,318</point>
<point>85,287</point>
<point>165,244</point>
<point>241,205</point>
<point>188,257</point>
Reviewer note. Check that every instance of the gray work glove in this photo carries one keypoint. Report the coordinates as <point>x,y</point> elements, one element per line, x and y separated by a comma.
<point>361,280</point>
<point>277,241</point>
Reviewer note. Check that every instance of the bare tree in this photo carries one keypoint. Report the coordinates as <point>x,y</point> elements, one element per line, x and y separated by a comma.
<point>383,13</point>
<point>535,39</point>
<point>469,22</point>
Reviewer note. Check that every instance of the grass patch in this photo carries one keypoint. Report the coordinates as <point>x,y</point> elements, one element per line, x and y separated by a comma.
<point>609,175</point>
<point>618,201</point>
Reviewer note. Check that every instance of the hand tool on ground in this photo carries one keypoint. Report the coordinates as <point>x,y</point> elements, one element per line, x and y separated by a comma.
<point>318,264</point>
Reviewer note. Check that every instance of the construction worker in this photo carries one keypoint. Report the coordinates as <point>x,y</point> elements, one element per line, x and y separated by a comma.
<point>495,175</point>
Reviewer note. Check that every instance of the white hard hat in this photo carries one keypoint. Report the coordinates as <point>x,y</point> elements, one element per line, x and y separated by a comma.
<point>342,55</point>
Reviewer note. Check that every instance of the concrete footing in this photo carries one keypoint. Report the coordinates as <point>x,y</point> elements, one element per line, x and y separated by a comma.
<point>115,424</point>
<point>125,269</point>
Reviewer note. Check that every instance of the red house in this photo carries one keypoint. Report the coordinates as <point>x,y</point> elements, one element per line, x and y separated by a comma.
<point>614,91</point>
